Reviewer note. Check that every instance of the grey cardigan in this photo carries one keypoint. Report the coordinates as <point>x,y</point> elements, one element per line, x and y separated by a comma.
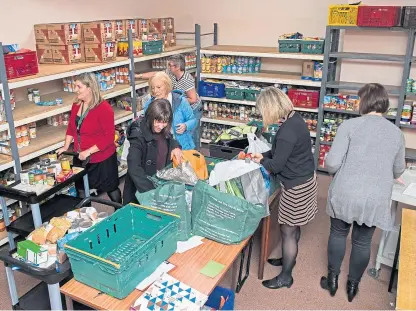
<point>368,153</point>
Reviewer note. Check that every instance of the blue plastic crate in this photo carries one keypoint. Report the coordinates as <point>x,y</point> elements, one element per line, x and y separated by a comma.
<point>211,89</point>
<point>215,298</point>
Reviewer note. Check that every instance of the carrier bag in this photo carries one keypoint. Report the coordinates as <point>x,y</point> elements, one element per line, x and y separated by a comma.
<point>196,160</point>
<point>223,217</point>
<point>170,197</point>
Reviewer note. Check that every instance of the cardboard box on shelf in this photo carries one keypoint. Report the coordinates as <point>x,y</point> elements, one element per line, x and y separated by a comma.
<point>123,48</point>
<point>169,39</point>
<point>142,27</point>
<point>101,52</point>
<point>98,32</point>
<point>308,69</point>
<point>168,24</point>
<point>132,24</point>
<point>120,29</point>
<point>68,54</point>
<point>45,54</point>
<point>41,34</point>
<point>155,26</point>
<point>63,34</point>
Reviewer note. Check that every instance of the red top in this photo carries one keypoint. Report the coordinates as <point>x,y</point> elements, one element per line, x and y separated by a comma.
<point>97,129</point>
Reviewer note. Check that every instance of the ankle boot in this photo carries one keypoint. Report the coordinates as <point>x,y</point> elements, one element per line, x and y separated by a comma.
<point>330,283</point>
<point>352,289</point>
<point>277,262</point>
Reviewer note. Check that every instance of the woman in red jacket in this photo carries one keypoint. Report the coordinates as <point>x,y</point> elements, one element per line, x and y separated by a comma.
<point>91,128</point>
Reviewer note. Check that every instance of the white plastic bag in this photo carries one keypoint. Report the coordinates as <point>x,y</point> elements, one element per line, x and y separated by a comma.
<point>125,152</point>
<point>255,145</point>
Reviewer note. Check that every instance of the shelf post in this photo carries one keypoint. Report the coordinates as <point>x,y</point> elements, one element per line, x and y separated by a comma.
<point>406,72</point>
<point>325,70</point>
<point>198,54</point>
<point>7,222</point>
<point>9,115</point>
<point>215,33</point>
<point>132,76</point>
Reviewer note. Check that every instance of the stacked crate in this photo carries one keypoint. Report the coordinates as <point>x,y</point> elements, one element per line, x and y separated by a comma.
<point>162,29</point>
<point>100,41</point>
<point>59,43</point>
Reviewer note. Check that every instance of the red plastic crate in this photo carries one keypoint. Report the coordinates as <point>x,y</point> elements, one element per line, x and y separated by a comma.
<point>304,98</point>
<point>379,16</point>
<point>21,64</point>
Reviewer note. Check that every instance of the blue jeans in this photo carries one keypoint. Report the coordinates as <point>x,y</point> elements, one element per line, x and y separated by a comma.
<point>196,132</point>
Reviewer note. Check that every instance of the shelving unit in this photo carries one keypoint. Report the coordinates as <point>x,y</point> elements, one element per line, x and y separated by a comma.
<point>332,64</point>
<point>272,77</point>
<point>50,138</point>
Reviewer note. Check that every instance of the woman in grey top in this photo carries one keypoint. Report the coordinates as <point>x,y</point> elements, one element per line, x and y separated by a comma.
<point>366,156</point>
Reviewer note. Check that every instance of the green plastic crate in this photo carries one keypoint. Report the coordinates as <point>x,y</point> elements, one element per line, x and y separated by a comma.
<point>290,45</point>
<point>234,93</point>
<point>116,254</point>
<point>313,46</point>
<point>269,133</point>
<point>152,47</point>
<point>251,95</point>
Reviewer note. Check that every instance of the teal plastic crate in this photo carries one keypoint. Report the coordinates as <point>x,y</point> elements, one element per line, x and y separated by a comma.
<point>116,254</point>
<point>290,45</point>
<point>234,93</point>
<point>251,95</point>
<point>152,47</point>
<point>268,133</point>
<point>313,46</point>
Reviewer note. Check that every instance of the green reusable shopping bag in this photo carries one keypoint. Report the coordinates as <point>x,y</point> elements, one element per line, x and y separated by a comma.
<point>170,197</point>
<point>223,217</point>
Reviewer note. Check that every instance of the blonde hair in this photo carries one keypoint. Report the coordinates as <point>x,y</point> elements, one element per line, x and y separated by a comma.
<point>273,105</point>
<point>164,78</point>
<point>90,81</point>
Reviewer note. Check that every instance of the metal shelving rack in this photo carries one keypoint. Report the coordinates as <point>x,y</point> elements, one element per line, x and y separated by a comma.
<point>332,65</point>
<point>65,71</point>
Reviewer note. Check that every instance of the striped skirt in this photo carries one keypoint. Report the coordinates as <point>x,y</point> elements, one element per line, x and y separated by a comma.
<point>299,205</point>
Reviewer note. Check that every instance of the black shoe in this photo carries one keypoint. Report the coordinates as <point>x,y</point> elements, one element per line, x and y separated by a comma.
<point>277,262</point>
<point>276,283</point>
<point>330,283</point>
<point>352,289</point>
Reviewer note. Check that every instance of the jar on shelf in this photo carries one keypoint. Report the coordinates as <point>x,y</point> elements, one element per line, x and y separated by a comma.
<point>23,130</point>
<point>36,96</point>
<point>32,130</point>
<point>65,119</point>
<point>30,94</point>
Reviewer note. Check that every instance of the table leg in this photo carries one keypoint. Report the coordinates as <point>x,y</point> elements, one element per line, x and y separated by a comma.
<point>234,273</point>
<point>396,259</point>
<point>264,247</point>
<point>69,303</point>
<point>55,296</point>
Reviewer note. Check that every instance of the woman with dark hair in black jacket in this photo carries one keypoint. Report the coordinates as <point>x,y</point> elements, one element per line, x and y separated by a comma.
<point>152,147</point>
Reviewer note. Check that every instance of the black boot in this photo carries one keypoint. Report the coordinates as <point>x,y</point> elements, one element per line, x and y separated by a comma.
<point>330,283</point>
<point>352,289</point>
<point>277,262</point>
<point>277,283</point>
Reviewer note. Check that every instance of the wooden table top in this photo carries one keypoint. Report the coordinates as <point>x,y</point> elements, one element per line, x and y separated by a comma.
<point>406,287</point>
<point>187,269</point>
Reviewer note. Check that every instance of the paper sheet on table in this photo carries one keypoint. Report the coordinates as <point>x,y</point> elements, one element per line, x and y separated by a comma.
<point>38,189</point>
<point>193,242</point>
<point>227,170</point>
<point>410,190</point>
<point>164,267</point>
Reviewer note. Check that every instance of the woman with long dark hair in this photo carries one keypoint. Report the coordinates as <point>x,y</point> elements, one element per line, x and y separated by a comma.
<point>152,147</point>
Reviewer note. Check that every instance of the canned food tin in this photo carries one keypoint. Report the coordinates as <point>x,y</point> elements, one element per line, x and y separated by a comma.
<point>24,177</point>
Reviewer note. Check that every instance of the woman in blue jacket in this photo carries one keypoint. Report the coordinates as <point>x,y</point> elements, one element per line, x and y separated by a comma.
<point>184,120</point>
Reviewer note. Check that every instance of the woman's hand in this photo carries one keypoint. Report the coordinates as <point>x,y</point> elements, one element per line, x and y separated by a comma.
<point>400,181</point>
<point>177,154</point>
<point>257,157</point>
<point>83,155</point>
<point>61,150</point>
<point>241,156</point>
<point>181,128</point>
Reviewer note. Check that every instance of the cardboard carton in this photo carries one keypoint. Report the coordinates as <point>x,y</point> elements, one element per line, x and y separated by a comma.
<point>123,48</point>
<point>307,69</point>
<point>169,40</point>
<point>98,32</point>
<point>168,24</point>
<point>120,29</point>
<point>63,34</point>
<point>155,26</point>
<point>32,252</point>
<point>45,54</point>
<point>132,24</point>
<point>68,54</point>
<point>41,34</point>
<point>101,52</point>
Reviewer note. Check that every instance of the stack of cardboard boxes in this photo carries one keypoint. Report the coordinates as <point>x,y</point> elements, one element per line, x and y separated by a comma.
<point>96,42</point>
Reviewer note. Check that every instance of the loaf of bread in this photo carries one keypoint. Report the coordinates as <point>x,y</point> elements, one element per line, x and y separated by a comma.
<point>38,236</point>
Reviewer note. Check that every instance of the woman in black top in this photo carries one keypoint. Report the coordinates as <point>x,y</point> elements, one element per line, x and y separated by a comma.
<point>291,160</point>
<point>151,148</point>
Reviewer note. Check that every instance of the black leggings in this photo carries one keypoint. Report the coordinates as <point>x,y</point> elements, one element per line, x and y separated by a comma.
<point>361,247</point>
